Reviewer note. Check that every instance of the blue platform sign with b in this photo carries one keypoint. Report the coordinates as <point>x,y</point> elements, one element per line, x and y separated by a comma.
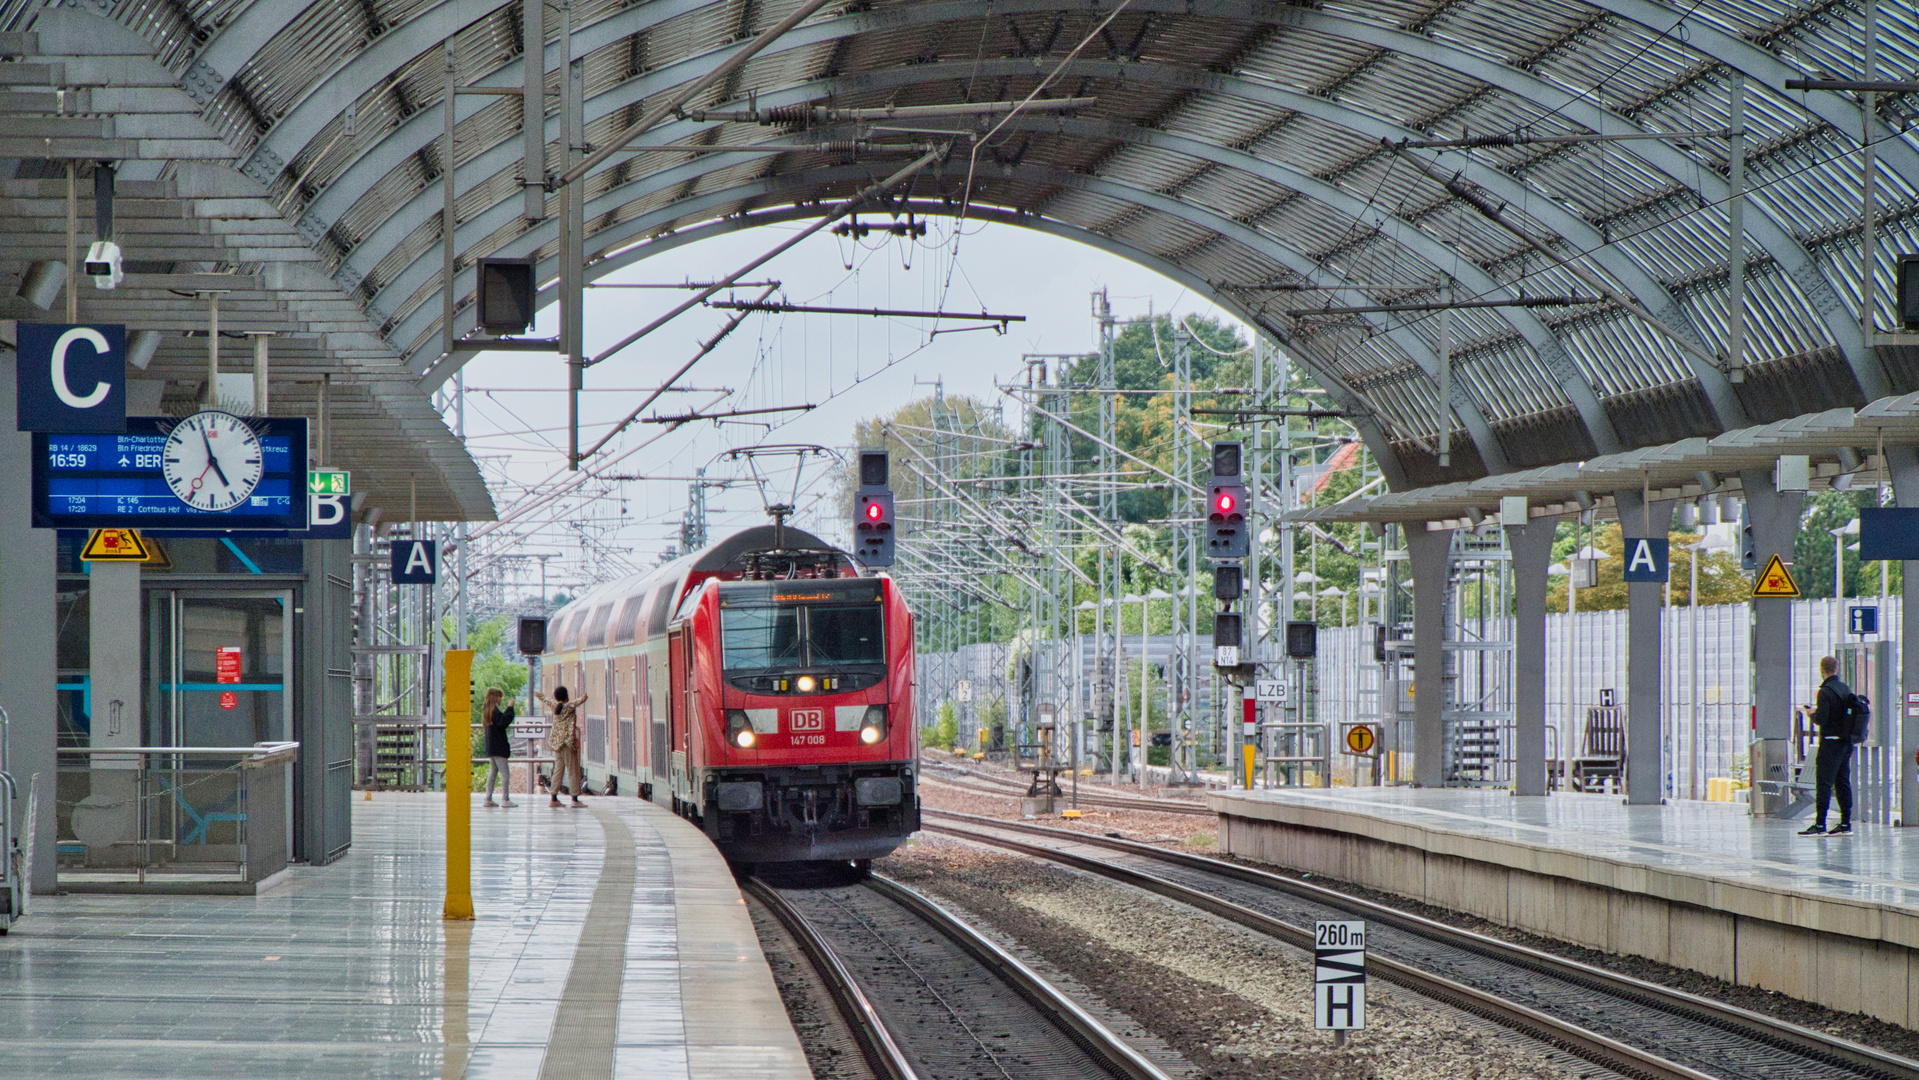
<point>1646,558</point>
<point>328,518</point>
<point>415,562</point>
<point>71,378</point>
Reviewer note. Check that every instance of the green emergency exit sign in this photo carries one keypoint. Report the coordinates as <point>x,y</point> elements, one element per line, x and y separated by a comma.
<point>329,482</point>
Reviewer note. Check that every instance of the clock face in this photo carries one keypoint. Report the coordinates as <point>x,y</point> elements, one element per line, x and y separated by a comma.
<point>212,461</point>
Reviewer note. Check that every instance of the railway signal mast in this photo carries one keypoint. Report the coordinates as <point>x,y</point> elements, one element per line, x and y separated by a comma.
<point>1228,541</point>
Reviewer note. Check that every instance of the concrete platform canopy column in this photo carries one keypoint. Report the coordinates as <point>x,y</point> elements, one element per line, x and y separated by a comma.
<point>1645,701</point>
<point>1428,550</point>
<point>1774,518</point>
<point>1532,551</point>
<point>1903,463</point>
<point>27,631</point>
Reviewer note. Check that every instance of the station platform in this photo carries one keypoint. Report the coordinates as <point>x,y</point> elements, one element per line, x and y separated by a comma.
<point>1703,886</point>
<point>610,941</point>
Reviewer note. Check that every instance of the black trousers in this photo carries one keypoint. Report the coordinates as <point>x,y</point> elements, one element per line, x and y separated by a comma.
<point>1835,774</point>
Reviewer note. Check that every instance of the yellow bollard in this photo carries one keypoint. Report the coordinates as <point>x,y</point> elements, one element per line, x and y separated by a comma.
<point>459,784</point>
<point>1248,751</point>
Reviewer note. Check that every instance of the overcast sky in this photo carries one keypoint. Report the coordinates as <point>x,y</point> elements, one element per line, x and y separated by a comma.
<point>850,367</point>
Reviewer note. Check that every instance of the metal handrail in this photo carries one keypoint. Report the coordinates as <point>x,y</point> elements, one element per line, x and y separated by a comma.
<point>260,752</point>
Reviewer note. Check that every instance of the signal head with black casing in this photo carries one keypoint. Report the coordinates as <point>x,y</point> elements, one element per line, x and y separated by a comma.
<point>873,512</point>
<point>1227,532</point>
<point>506,292</point>
<point>532,635</point>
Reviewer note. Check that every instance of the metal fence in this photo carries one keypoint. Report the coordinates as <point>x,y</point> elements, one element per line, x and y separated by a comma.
<point>137,815</point>
<point>1706,676</point>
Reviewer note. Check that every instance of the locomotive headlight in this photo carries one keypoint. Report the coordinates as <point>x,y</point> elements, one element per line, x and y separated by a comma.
<point>806,683</point>
<point>873,726</point>
<point>739,729</point>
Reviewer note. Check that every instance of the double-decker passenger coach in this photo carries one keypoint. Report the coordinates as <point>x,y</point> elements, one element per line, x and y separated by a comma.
<point>761,687</point>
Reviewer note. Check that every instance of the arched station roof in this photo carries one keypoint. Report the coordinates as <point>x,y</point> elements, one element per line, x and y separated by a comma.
<point>1257,152</point>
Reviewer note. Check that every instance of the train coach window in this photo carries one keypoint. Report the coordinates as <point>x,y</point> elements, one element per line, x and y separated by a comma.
<point>596,630</point>
<point>761,637</point>
<point>662,607</point>
<point>625,629</point>
<point>839,636</point>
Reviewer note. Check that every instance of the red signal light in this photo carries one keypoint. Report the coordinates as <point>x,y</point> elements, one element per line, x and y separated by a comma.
<point>1224,503</point>
<point>873,511</point>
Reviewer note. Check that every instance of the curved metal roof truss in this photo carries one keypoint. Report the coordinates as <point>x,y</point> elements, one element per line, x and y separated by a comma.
<point>1232,144</point>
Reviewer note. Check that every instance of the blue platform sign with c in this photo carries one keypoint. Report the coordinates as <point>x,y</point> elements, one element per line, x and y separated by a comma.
<point>1646,558</point>
<point>71,378</point>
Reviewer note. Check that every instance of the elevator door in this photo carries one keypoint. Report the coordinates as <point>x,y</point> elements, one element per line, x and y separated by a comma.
<point>220,662</point>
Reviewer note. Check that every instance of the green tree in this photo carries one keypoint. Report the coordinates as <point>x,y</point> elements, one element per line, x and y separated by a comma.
<point>1144,359</point>
<point>1812,547</point>
<point>493,665</point>
<point>1721,581</point>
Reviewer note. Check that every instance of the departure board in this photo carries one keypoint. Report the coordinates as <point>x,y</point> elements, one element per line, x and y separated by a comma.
<point>110,480</point>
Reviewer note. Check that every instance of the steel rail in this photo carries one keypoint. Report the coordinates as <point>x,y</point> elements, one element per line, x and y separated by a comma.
<point>1081,1026</point>
<point>1635,1061</point>
<point>883,1054</point>
<point>1117,802</point>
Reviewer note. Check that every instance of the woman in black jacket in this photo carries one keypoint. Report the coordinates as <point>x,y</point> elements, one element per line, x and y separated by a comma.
<point>499,744</point>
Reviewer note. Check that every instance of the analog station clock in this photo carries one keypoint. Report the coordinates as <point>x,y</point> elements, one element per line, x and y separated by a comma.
<point>212,460</point>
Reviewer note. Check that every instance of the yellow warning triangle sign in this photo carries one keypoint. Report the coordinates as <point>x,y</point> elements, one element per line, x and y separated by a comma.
<point>1775,580</point>
<point>115,545</point>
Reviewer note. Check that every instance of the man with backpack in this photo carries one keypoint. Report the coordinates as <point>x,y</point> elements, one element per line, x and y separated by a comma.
<point>1842,718</point>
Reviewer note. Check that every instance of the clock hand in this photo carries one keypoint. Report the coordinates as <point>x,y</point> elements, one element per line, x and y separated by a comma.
<point>214,461</point>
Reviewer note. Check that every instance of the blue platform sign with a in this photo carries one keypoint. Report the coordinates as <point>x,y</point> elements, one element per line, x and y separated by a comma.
<point>1646,558</point>
<point>415,562</point>
<point>1862,620</point>
<point>71,378</point>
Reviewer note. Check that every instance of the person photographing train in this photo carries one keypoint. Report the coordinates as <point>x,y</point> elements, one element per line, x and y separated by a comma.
<point>499,744</point>
<point>564,740</point>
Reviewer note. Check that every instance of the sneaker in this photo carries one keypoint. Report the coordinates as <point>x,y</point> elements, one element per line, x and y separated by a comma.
<point>577,802</point>
<point>556,802</point>
<point>1813,830</point>
<point>509,802</point>
<point>490,802</point>
<point>1844,828</point>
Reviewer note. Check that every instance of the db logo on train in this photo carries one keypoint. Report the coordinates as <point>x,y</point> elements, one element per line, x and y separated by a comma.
<point>808,720</point>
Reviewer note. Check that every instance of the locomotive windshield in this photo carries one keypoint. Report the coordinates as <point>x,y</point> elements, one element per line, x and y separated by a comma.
<point>802,625</point>
<point>808,636</point>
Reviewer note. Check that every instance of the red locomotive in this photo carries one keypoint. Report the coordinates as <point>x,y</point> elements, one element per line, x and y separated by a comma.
<point>761,687</point>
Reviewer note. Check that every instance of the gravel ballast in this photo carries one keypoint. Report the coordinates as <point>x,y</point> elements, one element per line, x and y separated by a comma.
<point>1199,836</point>
<point>1235,1004</point>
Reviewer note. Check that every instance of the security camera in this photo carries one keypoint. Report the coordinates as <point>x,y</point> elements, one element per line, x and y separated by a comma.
<point>103,264</point>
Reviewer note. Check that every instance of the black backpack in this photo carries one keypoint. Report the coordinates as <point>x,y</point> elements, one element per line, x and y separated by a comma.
<point>1860,714</point>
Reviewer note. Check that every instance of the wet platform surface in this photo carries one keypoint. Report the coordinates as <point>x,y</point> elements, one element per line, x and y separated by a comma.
<point>1877,864</point>
<point>348,970</point>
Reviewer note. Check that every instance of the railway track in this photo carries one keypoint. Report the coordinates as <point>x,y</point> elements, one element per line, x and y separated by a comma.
<point>945,1005</point>
<point>964,778</point>
<point>1633,1027</point>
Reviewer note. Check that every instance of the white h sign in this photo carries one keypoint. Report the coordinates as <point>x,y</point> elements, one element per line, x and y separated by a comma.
<point>1339,975</point>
